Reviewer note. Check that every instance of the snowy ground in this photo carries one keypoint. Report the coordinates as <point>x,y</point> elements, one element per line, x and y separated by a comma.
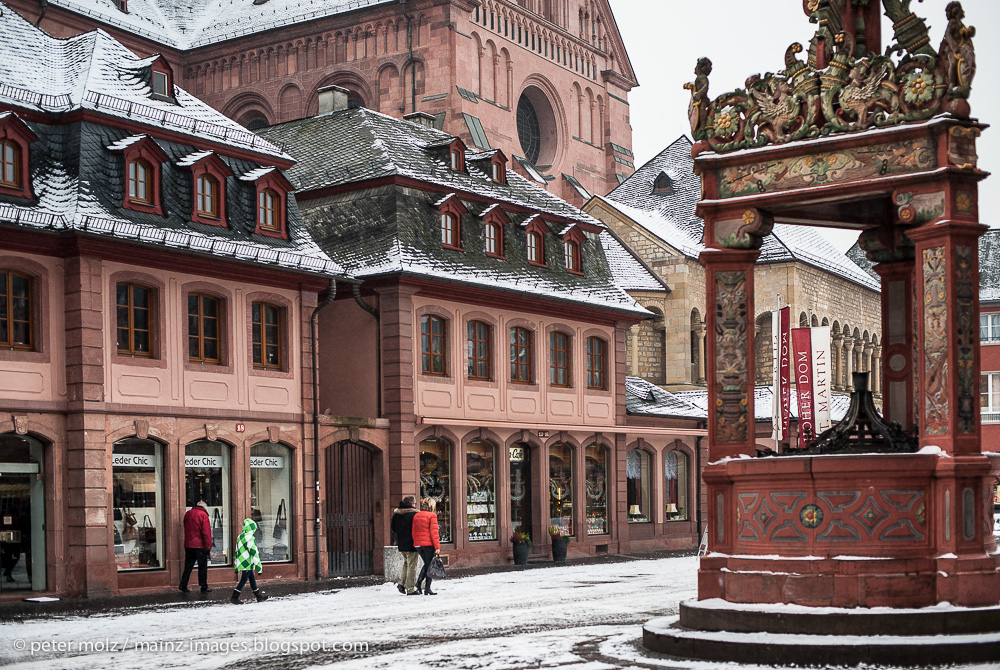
<point>580,617</point>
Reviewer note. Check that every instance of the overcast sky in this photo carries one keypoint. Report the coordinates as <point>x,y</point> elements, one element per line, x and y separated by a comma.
<point>664,39</point>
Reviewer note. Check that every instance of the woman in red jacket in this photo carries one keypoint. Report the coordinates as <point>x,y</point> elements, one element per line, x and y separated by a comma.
<point>426,541</point>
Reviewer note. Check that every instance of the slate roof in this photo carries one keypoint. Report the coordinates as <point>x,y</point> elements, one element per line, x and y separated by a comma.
<point>79,183</point>
<point>647,399</point>
<point>96,72</point>
<point>629,271</point>
<point>671,217</point>
<point>839,402</point>
<point>386,229</point>
<point>989,264</point>
<point>184,24</point>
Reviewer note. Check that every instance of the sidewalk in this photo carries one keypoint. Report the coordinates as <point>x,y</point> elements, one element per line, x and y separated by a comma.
<point>23,610</point>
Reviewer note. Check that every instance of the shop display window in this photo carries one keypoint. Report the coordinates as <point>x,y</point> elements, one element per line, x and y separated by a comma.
<point>207,477</point>
<point>137,498</point>
<point>676,469</point>
<point>480,497</point>
<point>435,482</point>
<point>520,488</point>
<point>270,495</point>
<point>596,461</point>
<point>637,485</point>
<point>561,487</point>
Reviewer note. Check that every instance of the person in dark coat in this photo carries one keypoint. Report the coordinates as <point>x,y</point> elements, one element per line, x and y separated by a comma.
<point>197,544</point>
<point>427,541</point>
<point>402,528</point>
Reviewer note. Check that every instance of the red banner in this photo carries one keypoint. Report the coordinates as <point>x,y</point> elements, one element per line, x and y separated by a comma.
<point>784,370</point>
<point>803,371</point>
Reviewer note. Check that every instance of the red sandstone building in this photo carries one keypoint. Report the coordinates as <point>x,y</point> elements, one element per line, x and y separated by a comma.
<point>545,81</point>
<point>156,286</point>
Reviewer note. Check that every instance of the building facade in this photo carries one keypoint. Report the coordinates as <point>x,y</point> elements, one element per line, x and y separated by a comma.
<point>989,339</point>
<point>156,286</point>
<point>546,81</point>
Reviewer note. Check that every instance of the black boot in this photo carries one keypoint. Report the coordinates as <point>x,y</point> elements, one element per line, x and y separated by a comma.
<point>236,597</point>
<point>261,596</point>
<point>427,589</point>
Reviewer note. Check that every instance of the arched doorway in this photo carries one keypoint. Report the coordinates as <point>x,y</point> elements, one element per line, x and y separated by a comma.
<point>22,514</point>
<point>520,488</point>
<point>350,509</point>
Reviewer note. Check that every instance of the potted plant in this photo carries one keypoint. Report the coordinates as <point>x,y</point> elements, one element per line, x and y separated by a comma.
<point>521,540</point>
<point>559,542</point>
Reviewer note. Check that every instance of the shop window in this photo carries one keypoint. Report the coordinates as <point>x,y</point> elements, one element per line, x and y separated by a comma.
<point>637,485</point>
<point>15,138</point>
<point>676,470</point>
<point>266,336</point>
<point>520,356</point>
<point>561,487</point>
<point>207,477</point>
<point>435,471</point>
<point>480,493</point>
<point>270,498</point>
<point>520,488</point>
<point>16,311</point>
<point>597,363</point>
<point>596,462</point>
<point>22,513</point>
<point>134,319</point>
<point>204,329</point>
<point>433,345</point>
<point>559,359</point>
<point>478,350</point>
<point>137,488</point>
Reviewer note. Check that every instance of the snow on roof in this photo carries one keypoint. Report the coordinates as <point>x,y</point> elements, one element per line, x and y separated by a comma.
<point>96,72</point>
<point>628,271</point>
<point>672,217</point>
<point>645,398</point>
<point>192,158</point>
<point>126,142</point>
<point>839,402</point>
<point>254,175</point>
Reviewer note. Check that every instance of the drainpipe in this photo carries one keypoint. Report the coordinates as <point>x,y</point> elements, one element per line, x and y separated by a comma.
<point>378,345</point>
<point>313,335</point>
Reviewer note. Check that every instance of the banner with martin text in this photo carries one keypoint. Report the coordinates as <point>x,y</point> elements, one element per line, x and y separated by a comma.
<point>821,378</point>
<point>803,372</point>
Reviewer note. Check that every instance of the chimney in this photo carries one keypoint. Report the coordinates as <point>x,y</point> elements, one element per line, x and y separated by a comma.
<point>420,118</point>
<point>332,99</point>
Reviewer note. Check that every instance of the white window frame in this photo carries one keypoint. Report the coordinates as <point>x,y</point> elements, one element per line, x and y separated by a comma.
<point>989,328</point>
<point>992,392</point>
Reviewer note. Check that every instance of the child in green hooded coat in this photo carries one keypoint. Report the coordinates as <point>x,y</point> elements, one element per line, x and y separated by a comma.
<point>247,559</point>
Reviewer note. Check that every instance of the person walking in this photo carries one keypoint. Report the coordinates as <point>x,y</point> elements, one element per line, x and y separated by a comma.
<point>427,541</point>
<point>402,528</point>
<point>247,559</point>
<point>197,543</point>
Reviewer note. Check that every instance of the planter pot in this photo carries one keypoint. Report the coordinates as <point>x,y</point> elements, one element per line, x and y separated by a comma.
<point>521,550</point>
<point>559,550</point>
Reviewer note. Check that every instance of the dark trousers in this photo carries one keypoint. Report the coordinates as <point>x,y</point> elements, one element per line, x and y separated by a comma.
<point>247,575</point>
<point>191,556</point>
<point>426,553</point>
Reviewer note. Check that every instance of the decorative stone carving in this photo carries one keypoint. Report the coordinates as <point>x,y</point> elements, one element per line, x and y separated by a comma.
<point>211,432</point>
<point>935,280</point>
<point>141,428</point>
<point>731,357</point>
<point>273,434</point>
<point>20,424</point>
<point>965,339</point>
<point>746,232</point>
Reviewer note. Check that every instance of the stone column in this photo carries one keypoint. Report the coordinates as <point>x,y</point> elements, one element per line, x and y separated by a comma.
<point>876,376</point>
<point>849,360</point>
<point>837,353</point>
<point>898,380</point>
<point>699,338</point>
<point>633,339</point>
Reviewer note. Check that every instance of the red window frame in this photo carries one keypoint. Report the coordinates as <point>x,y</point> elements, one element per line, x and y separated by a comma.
<point>559,359</point>
<point>521,368</point>
<point>479,350</point>
<point>498,168</point>
<point>572,248</point>
<point>451,210</point>
<point>146,151</point>
<point>18,137</point>
<point>209,167</point>
<point>272,182</point>
<point>494,219</point>
<point>535,241</point>
<point>597,363</point>
<point>434,345</point>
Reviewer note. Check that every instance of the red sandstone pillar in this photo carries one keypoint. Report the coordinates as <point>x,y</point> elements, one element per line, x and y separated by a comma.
<point>897,367</point>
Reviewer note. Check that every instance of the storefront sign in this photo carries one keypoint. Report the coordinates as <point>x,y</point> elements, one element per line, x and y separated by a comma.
<point>203,461</point>
<point>517,454</point>
<point>275,462</point>
<point>132,461</point>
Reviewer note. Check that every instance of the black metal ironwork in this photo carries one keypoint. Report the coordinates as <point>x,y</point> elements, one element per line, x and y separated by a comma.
<point>862,430</point>
<point>351,509</point>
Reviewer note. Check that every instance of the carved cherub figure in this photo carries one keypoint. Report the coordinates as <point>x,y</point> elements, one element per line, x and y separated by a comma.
<point>957,53</point>
<point>698,106</point>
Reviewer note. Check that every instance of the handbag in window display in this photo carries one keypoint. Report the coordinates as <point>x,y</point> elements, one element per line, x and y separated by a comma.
<point>270,486</point>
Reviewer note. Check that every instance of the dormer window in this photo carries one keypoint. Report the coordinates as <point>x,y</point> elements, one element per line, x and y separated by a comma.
<point>535,230</point>
<point>209,174</point>
<point>208,196</point>
<point>494,237</point>
<point>142,158</point>
<point>272,195</point>
<point>162,79</point>
<point>535,250</point>
<point>451,210</point>
<point>494,219</point>
<point>15,138</point>
<point>267,210</point>
<point>663,184</point>
<point>160,83</point>
<point>498,168</point>
<point>122,5</point>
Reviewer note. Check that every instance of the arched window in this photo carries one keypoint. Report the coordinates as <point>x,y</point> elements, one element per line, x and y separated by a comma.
<point>140,182</point>
<point>134,319</point>
<point>208,196</point>
<point>676,471</point>
<point>520,355</point>
<point>207,477</point>
<point>435,478</point>
<point>433,345</point>
<point>596,462</point>
<point>16,310</point>
<point>480,490</point>
<point>270,499</point>
<point>638,466</point>
<point>10,155</point>
<point>561,487</point>
<point>204,329</point>
<point>597,363</point>
<point>478,349</point>
<point>559,359</point>
<point>266,336</point>
<point>267,210</point>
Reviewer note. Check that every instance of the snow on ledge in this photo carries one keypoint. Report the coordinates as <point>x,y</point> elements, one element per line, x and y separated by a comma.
<point>788,608</point>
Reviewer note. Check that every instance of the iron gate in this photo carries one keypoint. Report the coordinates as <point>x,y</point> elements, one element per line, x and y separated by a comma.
<point>351,508</point>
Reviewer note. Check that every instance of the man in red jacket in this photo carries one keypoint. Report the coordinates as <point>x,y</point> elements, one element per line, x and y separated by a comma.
<point>426,540</point>
<point>197,543</point>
